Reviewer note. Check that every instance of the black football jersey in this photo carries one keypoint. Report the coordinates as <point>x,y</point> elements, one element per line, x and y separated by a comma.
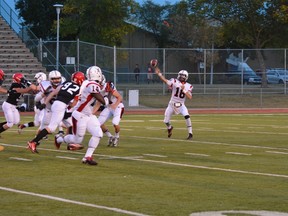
<point>68,91</point>
<point>14,97</point>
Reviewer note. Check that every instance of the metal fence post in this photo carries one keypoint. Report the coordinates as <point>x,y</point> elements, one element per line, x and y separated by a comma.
<point>204,72</point>
<point>40,50</point>
<point>164,70</point>
<point>114,67</point>
<point>219,98</point>
<point>78,54</point>
<point>95,54</point>
<point>261,98</point>
<point>285,67</point>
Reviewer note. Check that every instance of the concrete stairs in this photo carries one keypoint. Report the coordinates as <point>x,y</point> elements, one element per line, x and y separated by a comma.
<point>15,57</point>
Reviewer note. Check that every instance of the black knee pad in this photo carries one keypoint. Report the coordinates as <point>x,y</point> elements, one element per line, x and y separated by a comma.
<point>187,116</point>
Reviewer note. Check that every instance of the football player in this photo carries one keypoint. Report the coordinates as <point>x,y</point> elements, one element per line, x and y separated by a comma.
<point>2,78</point>
<point>83,118</point>
<point>38,116</point>
<point>115,109</point>
<point>9,106</point>
<point>63,94</point>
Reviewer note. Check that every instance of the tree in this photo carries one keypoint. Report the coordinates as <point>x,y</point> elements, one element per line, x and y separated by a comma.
<point>247,24</point>
<point>97,21</point>
<point>153,18</point>
<point>39,16</point>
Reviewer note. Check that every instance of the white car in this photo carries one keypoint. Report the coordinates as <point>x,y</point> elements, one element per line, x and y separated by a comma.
<point>277,75</point>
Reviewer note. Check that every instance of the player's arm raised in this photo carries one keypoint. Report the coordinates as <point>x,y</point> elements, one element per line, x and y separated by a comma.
<point>154,65</point>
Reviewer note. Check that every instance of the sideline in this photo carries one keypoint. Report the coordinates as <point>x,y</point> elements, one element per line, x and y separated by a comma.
<point>72,201</point>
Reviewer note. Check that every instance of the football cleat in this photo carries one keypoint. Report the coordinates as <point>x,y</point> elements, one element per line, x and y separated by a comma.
<point>20,127</point>
<point>170,131</point>
<point>74,147</point>
<point>190,136</point>
<point>110,141</point>
<point>61,132</point>
<point>32,146</point>
<point>115,141</point>
<point>89,161</point>
<point>56,143</point>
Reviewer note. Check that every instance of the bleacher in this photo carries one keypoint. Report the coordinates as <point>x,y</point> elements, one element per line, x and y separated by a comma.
<point>15,57</point>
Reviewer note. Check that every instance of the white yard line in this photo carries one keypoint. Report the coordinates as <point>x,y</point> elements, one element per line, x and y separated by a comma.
<point>69,158</point>
<point>178,164</point>
<point>196,154</point>
<point>210,143</point>
<point>20,159</point>
<point>276,152</point>
<point>155,155</point>
<point>238,153</point>
<point>73,201</point>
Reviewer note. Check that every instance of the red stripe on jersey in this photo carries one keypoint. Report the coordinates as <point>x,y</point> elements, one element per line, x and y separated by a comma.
<point>42,88</point>
<point>81,107</point>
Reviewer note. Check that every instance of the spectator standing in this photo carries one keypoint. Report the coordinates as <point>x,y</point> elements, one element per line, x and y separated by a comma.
<point>137,73</point>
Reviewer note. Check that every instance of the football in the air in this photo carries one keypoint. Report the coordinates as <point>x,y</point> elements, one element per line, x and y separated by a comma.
<point>154,63</point>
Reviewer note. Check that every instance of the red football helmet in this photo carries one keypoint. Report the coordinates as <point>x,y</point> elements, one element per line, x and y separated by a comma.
<point>17,77</point>
<point>2,74</point>
<point>78,77</point>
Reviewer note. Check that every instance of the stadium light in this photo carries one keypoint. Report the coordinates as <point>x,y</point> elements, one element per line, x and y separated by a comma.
<point>58,10</point>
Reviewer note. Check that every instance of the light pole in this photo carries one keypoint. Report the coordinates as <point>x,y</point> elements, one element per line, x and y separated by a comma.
<point>58,9</point>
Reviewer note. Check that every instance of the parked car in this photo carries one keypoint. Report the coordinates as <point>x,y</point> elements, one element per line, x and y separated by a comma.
<point>251,79</point>
<point>249,76</point>
<point>277,76</point>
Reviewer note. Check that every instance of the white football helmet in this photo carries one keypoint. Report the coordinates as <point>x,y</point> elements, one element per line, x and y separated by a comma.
<point>55,77</point>
<point>182,76</point>
<point>94,73</point>
<point>39,77</point>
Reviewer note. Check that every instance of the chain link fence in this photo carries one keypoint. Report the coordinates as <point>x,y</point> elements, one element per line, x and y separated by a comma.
<point>221,78</point>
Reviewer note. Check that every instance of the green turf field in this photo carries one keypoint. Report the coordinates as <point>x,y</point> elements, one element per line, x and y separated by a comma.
<point>235,162</point>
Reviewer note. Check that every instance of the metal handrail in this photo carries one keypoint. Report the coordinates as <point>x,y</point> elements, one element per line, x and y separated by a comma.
<point>27,36</point>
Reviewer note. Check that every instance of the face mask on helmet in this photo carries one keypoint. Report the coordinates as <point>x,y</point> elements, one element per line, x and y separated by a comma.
<point>78,77</point>
<point>39,77</point>
<point>103,82</point>
<point>182,76</point>
<point>17,77</point>
<point>55,77</point>
<point>94,73</point>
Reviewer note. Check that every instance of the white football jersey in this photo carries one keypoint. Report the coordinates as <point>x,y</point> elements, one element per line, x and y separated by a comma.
<point>46,88</point>
<point>108,90</point>
<point>86,101</point>
<point>177,92</point>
